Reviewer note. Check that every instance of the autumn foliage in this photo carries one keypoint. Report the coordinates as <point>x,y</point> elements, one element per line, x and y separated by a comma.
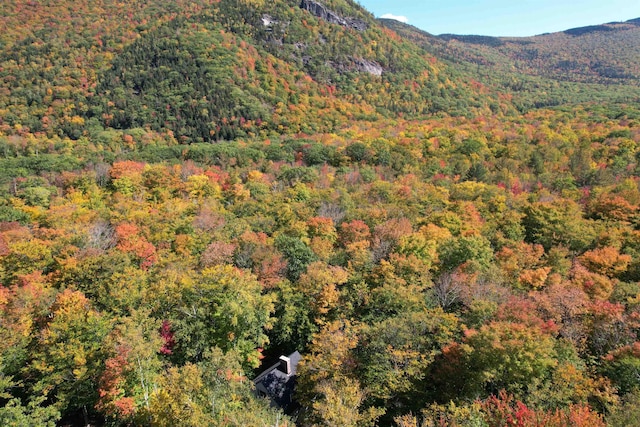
<point>189,189</point>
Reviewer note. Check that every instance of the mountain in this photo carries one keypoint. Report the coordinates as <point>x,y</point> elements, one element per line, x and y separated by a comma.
<point>210,70</point>
<point>595,63</point>
<point>608,53</point>
<point>218,70</point>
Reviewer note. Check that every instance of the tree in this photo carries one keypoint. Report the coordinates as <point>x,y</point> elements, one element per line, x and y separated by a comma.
<point>15,414</point>
<point>294,323</point>
<point>69,358</point>
<point>475,250</point>
<point>397,286</point>
<point>503,410</point>
<point>21,308</point>
<point>622,366</point>
<point>340,405</point>
<point>26,255</point>
<point>394,355</point>
<point>607,261</point>
<point>214,393</point>
<point>297,254</point>
<point>130,241</point>
<point>320,284</point>
<point>626,414</point>
<point>132,369</point>
<point>223,307</point>
<point>559,222</point>
<point>497,356</point>
<point>180,398</point>
<point>326,386</point>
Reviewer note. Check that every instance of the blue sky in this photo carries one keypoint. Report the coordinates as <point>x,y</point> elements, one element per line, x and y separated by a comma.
<point>504,17</point>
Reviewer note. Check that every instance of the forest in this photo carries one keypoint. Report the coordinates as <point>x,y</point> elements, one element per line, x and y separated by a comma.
<point>191,189</point>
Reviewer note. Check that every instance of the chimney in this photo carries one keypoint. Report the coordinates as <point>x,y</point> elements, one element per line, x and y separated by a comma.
<point>285,365</point>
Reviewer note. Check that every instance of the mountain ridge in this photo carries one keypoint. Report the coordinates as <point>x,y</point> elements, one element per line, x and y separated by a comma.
<point>571,66</point>
<point>290,66</point>
<point>261,61</point>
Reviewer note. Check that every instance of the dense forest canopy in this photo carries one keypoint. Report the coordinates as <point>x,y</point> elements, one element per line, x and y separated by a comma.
<point>447,229</point>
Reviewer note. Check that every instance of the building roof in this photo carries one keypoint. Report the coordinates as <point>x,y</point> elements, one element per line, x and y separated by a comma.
<point>278,381</point>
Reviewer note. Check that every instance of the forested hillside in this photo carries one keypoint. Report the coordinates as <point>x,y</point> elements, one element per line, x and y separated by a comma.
<point>597,63</point>
<point>189,190</point>
<point>211,70</point>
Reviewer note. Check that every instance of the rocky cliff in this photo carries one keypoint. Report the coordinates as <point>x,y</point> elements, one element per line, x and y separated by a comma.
<point>322,12</point>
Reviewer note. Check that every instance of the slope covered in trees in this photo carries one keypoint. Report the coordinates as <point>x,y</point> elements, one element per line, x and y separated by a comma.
<point>598,63</point>
<point>190,189</point>
<point>211,70</point>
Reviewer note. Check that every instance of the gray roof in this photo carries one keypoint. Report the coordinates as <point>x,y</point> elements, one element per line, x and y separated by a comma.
<point>277,384</point>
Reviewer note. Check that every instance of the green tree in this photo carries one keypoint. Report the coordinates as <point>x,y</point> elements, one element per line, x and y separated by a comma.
<point>223,307</point>
<point>497,356</point>
<point>297,254</point>
<point>475,250</point>
<point>69,358</point>
<point>394,356</point>
<point>14,414</point>
<point>558,223</point>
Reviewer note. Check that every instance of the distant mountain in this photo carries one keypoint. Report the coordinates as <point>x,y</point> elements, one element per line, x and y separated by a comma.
<point>607,53</point>
<point>546,67</point>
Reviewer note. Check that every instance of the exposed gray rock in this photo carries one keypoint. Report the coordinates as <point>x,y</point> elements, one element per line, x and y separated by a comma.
<point>370,67</point>
<point>268,20</point>
<point>353,64</point>
<point>322,12</point>
<point>357,64</point>
<point>356,24</point>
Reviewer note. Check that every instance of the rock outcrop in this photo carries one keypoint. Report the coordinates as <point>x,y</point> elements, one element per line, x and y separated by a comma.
<point>322,12</point>
<point>358,65</point>
<point>370,67</point>
<point>268,20</point>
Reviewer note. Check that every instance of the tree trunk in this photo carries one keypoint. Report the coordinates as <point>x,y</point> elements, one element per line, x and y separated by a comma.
<point>85,414</point>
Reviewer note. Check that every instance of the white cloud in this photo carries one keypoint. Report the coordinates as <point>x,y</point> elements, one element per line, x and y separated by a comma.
<point>396,17</point>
